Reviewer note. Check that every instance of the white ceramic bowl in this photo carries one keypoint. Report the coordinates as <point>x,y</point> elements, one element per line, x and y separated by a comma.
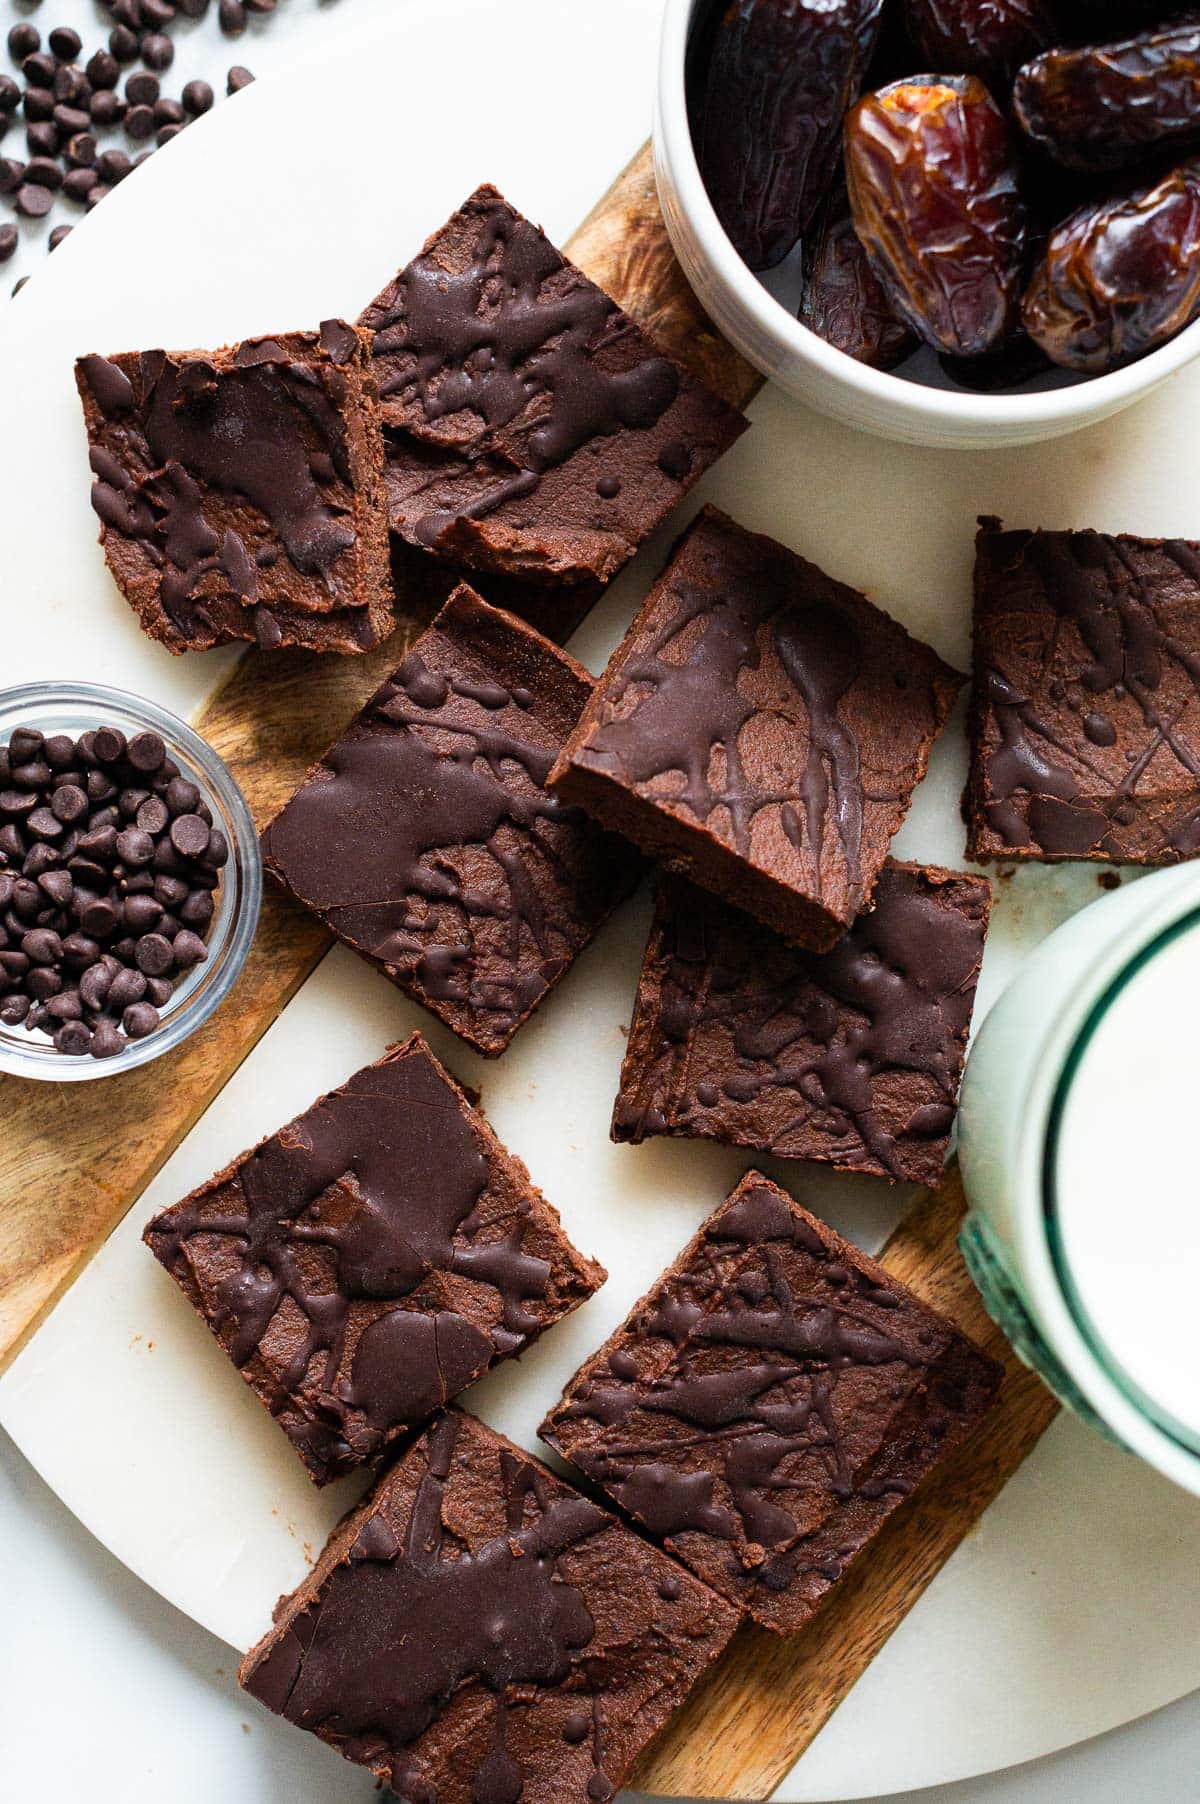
<point>786,352</point>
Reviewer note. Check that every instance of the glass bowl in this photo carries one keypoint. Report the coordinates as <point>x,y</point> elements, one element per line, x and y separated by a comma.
<point>73,708</point>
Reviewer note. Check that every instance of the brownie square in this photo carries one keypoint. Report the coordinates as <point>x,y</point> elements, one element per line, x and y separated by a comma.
<point>476,1631</point>
<point>426,840</point>
<point>533,428</point>
<point>760,729</point>
<point>850,1057</point>
<point>769,1404</point>
<point>371,1259</point>
<point>240,491</point>
<point>1085,702</point>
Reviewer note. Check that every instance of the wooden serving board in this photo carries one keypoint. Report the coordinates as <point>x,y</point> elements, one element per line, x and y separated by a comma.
<point>74,1159</point>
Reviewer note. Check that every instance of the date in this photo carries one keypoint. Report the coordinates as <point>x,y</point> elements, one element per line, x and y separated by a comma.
<point>934,194</point>
<point>1120,277</point>
<point>1101,106</point>
<point>781,76</point>
<point>843,300</point>
<point>980,37</point>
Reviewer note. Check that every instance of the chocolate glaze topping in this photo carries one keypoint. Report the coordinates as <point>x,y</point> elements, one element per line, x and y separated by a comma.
<point>354,1222</point>
<point>447,763</point>
<point>761,726</point>
<point>851,1056</point>
<point>459,1635</point>
<point>266,428</point>
<point>1086,710</point>
<point>753,1407</point>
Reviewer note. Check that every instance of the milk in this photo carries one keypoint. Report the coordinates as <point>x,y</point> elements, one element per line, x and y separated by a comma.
<point>1126,1180</point>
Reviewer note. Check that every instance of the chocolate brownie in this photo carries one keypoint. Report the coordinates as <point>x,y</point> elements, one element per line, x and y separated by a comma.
<point>533,428</point>
<point>769,1404</point>
<point>371,1259</point>
<point>851,1057</point>
<point>240,491</point>
<point>425,837</point>
<point>476,1631</point>
<point>1085,702</point>
<point>761,730</point>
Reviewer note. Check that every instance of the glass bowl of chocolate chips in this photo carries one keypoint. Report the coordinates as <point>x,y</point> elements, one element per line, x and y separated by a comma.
<point>130,881</point>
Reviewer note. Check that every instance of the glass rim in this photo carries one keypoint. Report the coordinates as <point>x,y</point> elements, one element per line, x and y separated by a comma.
<point>206,986</point>
<point>1185,1438</point>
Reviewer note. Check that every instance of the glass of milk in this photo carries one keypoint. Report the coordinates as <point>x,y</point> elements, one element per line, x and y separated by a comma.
<point>1078,1128</point>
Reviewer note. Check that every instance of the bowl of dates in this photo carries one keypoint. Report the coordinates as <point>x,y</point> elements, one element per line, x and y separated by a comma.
<point>950,222</point>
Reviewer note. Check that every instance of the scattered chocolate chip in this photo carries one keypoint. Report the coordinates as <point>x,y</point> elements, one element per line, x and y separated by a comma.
<point>239,77</point>
<point>12,174</point>
<point>38,70</point>
<point>96,194</point>
<point>45,173</point>
<point>112,166</point>
<point>71,119</point>
<point>81,150</point>
<point>65,43</point>
<point>8,242</point>
<point>10,93</point>
<point>139,122</point>
<point>158,52</point>
<point>197,98</point>
<point>165,133</point>
<point>106,108</point>
<point>57,236</point>
<point>74,1039</point>
<point>34,202</point>
<point>123,43</point>
<point>231,15</point>
<point>38,103</point>
<point>142,89</point>
<point>103,69</point>
<point>23,40</point>
<point>43,138</point>
<point>169,112</point>
<point>78,184</point>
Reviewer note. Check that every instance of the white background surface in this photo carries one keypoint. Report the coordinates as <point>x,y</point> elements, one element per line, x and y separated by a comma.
<point>112,1649</point>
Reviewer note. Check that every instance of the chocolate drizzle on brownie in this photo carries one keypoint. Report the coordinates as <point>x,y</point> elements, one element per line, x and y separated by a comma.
<point>384,841</point>
<point>477,1629</point>
<point>767,1403</point>
<point>360,1215</point>
<point>215,467</point>
<point>1113,668</point>
<point>852,1055</point>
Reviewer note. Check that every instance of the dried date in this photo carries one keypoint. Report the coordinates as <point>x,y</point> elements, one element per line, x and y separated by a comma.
<point>1120,276</point>
<point>843,300</point>
<point>781,77</point>
<point>980,37</point>
<point>933,189</point>
<point>1104,105</point>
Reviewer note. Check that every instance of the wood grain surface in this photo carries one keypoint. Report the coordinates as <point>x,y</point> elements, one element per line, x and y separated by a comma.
<point>73,1160</point>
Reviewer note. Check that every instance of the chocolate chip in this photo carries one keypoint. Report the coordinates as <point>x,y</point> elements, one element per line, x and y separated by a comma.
<point>42,983</point>
<point>140,1020</point>
<point>45,173</point>
<point>12,174</point>
<point>57,236</point>
<point>127,988</point>
<point>106,1040</point>
<point>239,77</point>
<point>134,847</point>
<point>168,112</point>
<point>10,93</point>
<point>139,122</point>
<point>231,15</point>
<point>72,85</point>
<point>34,202</point>
<point>103,70</point>
<point>123,43</point>
<point>23,40</point>
<point>94,986</point>
<point>188,950</point>
<point>197,910</point>
<point>14,1010</point>
<point>146,752</point>
<point>8,241</point>
<point>190,835</point>
<point>154,956</point>
<point>43,139</point>
<point>79,183</point>
<point>65,43</point>
<point>152,816</point>
<point>98,192</point>
<point>71,119</point>
<point>112,166</point>
<point>157,13</point>
<point>197,98</point>
<point>141,914</point>
<point>43,824</point>
<point>74,1039</point>
<point>158,52</point>
<point>142,89</point>
<point>57,886</point>
<point>165,133</point>
<point>38,71</point>
<point>42,947</point>
<point>80,151</point>
<point>106,108</point>
<point>66,1006</point>
<point>108,744</point>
